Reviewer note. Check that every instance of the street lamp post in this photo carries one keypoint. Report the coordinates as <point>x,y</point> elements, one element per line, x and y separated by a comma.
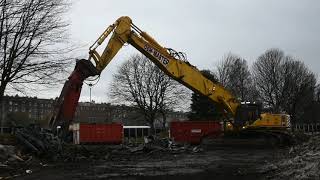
<point>90,87</point>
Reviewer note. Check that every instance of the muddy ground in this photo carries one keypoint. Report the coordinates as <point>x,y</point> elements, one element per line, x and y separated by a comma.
<point>211,162</point>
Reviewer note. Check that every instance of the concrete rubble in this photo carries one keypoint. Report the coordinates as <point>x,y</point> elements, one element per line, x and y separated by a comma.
<point>164,145</point>
<point>38,141</point>
<point>301,162</point>
<point>13,161</point>
<point>37,148</point>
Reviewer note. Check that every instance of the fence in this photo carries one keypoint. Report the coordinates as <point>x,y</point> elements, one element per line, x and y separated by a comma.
<point>6,130</point>
<point>311,127</point>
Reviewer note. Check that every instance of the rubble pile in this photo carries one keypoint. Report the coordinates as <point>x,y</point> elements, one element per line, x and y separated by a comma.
<point>38,141</point>
<point>164,145</point>
<point>13,162</point>
<point>302,162</point>
<point>36,148</point>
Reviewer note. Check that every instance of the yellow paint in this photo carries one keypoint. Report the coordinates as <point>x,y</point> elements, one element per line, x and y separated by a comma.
<point>269,120</point>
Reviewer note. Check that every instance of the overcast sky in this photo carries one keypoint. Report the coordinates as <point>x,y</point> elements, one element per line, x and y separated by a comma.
<point>204,29</point>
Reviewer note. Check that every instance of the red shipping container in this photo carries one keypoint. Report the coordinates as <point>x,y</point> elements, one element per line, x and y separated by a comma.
<point>98,133</point>
<point>193,131</point>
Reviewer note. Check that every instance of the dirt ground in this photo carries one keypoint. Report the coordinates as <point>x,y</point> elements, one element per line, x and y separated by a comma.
<point>212,162</point>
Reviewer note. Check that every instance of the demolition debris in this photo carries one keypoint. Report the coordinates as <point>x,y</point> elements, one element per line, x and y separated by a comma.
<point>37,148</point>
<point>301,162</point>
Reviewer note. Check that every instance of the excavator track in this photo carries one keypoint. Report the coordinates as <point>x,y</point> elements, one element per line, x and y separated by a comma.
<point>273,138</point>
<point>252,138</point>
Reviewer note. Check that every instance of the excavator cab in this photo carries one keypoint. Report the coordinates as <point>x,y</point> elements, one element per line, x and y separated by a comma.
<point>247,113</point>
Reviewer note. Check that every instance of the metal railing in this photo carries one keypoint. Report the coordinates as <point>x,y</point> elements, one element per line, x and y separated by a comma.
<point>307,127</point>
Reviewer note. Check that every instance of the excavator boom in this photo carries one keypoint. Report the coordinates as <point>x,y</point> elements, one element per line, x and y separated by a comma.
<point>169,61</point>
<point>124,31</point>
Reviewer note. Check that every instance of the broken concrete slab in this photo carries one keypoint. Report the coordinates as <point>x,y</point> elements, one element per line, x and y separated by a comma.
<point>302,162</point>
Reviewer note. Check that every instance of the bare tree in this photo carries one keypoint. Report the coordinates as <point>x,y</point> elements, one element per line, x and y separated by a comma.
<point>176,97</point>
<point>318,93</point>
<point>140,82</point>
<point>298,88</point>
<point>268,76</point>
<point>224,69</point>
<point>30,34</point>
<point>233,73</point>
<point>284,84</point>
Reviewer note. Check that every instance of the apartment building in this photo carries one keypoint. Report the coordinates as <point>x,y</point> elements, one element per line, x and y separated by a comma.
<point>17,110</point>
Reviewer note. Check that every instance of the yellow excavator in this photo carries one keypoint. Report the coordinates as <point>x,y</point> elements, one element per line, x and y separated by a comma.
<point>240,116</point>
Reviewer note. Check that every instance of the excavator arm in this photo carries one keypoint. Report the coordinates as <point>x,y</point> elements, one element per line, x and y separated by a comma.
<point>124,31</point>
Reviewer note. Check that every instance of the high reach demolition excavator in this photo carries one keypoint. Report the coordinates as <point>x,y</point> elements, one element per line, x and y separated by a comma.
<point>240,116</point>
